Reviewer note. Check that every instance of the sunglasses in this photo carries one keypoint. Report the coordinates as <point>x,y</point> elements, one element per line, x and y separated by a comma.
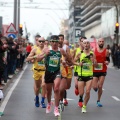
<point>41,41</point>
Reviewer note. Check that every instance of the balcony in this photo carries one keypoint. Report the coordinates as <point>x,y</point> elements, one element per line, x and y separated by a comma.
<point>95,16</point>
<point>87,9</point>
<point>91,12</point>
<point>86,4</point>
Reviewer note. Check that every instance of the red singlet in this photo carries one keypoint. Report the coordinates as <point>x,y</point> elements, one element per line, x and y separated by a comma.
<point>101,58</point>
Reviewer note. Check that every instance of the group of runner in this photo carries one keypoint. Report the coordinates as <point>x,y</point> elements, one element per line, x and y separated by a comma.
<point>53,66</point>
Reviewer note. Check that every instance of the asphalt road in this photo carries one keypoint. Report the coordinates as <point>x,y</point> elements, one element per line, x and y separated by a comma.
<point>19,101</point>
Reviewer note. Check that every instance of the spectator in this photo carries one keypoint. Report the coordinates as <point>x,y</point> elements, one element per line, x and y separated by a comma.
<point>113,53</point>
<point>3,47</point>
<point>118,57</point>
<point>11,56</point>
<point>109,49</point>
<point>28,49</point>
<point>5,73</point>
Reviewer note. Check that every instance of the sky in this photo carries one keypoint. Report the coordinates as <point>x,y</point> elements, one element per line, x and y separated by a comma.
<point>42,16</point>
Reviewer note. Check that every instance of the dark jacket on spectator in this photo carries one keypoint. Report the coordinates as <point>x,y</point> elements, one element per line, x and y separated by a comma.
<point>2,50</point>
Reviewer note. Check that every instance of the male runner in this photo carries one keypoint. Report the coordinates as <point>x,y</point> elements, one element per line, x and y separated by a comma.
<point>100,71</point>
<point>38,72</point>
<point>52,57</point>
<point>85,73</point>
<point>66,70</point>
<point>77,51</point>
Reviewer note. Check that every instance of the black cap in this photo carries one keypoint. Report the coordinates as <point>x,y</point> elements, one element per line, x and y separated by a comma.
<point>54,37</point>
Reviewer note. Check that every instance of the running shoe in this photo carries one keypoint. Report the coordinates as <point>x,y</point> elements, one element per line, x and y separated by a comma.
<point>65,102</point>
<point>48,109</point>
<point>76,92</point>
<point>56,112</point>
<point>99,104</point>
<point>43,105</point>
<point>80,104</point>
<point>84,109</point>
<point>37,104</point>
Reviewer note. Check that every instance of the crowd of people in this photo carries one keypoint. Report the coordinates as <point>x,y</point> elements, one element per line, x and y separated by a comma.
<point>54,63</point>
<point>12,56</point>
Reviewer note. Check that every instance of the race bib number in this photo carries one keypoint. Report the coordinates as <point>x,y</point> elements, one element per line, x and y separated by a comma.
<point>41,63</point>
<point>86,66</point>
<point>99,66</point>
<point>53,61</point>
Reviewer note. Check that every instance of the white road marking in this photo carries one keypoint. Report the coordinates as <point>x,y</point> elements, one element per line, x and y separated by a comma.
<point>67,99</point>
<point>5,101</point>
<point>114,97</point>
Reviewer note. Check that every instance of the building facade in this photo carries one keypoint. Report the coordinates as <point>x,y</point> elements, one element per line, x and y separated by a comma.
<point>64,28</point>
<point>93,19</point>
<point>74,21</point>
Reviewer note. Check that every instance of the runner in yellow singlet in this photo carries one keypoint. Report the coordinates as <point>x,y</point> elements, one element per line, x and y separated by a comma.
<point>77,51</point>
<point>85,73</point>
<point>38,72</point>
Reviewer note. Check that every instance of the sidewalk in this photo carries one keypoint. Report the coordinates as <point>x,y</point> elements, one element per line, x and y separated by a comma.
<point>111,65</point>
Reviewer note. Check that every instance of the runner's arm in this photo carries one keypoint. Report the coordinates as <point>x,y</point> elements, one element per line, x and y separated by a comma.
<point>75,61</point>
<point>77,57</point>
<point>32,55</point>
<point>44,53</point>
<point>73,55</point>
<point>67,57</point>
<point>94,61</point>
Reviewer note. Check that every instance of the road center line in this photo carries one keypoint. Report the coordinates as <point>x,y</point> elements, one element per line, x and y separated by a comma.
<point>114,97</point>
<point>5,101</point>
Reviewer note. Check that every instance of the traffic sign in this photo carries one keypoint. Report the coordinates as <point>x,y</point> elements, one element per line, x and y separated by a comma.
<point>12,35</point>
<point>77,33</point>
<point>11,29</point>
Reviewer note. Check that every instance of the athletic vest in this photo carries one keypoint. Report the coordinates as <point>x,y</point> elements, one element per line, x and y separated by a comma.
<point>35,46</point>
<point>87,68</point>
<point>101,58</point>
<point>41,64</point>
<point>53,61</point>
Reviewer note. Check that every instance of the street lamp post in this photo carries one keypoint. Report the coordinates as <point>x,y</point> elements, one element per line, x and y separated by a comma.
<point>18,16</point>
<point>15,13</point>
